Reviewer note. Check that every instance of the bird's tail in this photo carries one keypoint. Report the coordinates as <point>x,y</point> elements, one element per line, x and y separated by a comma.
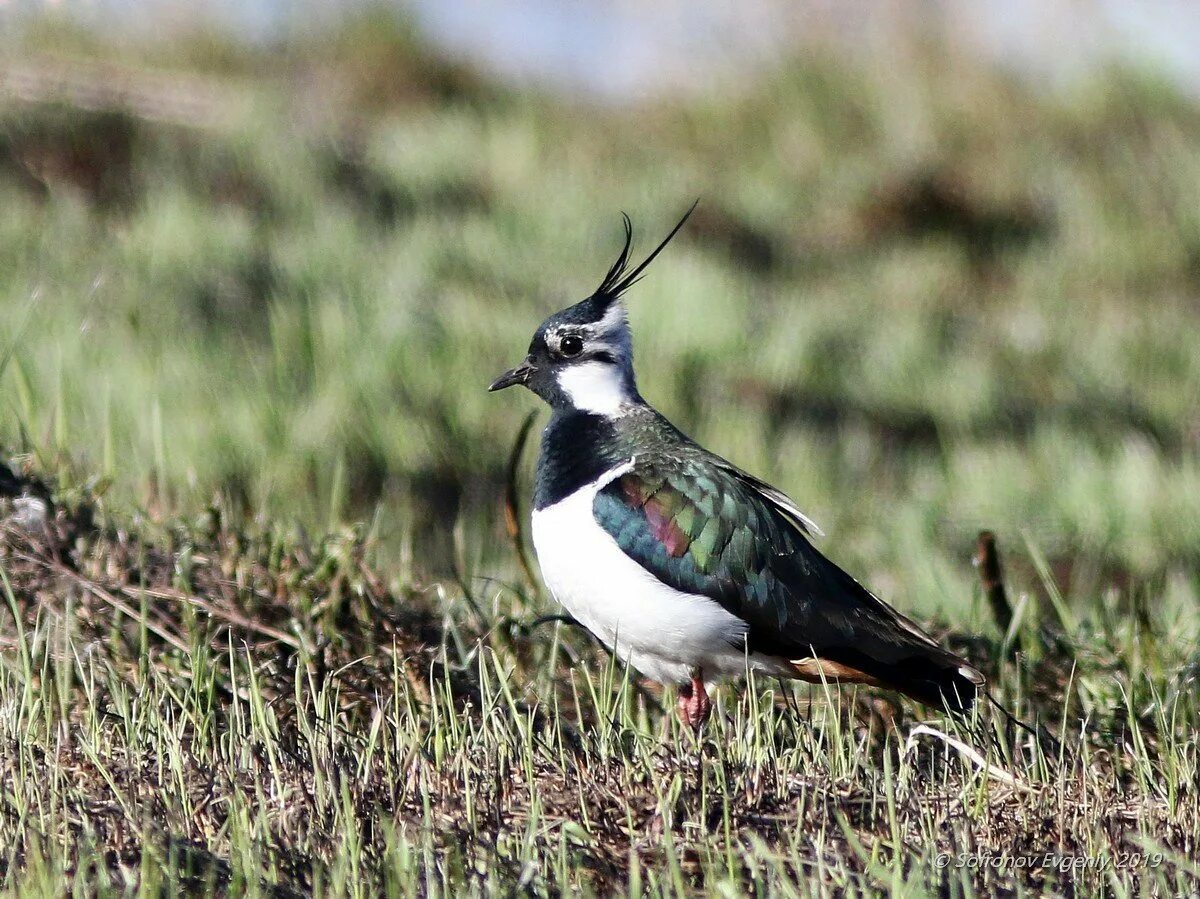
<point>924,672</point>
<point>860,638</point>
<point>937,679</point>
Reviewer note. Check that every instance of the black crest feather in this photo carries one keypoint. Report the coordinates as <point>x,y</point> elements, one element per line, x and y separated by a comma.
<point>619,279</point>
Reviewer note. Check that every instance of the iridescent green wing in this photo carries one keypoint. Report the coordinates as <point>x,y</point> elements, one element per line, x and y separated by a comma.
<point>700,527</point>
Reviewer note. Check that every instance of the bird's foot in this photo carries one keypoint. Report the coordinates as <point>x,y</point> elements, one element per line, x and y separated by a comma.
<point>694,704</point>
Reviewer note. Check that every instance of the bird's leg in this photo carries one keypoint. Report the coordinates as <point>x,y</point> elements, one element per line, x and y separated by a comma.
<point>694,704</point>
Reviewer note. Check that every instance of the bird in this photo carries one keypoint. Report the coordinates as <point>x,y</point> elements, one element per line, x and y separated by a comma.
<point>688,568</point>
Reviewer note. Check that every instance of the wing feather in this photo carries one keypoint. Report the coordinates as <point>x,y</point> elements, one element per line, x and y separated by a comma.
<point>775,497</point>
<point>709,528</point>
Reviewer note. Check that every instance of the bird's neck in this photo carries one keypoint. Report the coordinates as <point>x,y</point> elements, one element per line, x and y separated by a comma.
<point>578,447</point>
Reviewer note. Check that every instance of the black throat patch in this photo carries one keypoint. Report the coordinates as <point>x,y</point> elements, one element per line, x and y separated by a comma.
<point>577,447</point>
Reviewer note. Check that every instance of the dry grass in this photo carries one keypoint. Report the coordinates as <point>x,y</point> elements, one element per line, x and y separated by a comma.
<point>234,712</point>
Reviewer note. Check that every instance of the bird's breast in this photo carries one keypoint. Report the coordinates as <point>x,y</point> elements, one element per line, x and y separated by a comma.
<point>662,631</point>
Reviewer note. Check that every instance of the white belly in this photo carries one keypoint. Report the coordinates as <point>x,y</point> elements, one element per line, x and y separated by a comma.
<point>664,633</point>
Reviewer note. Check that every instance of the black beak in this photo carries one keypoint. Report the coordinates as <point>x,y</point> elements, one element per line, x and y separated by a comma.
<point>518,375</point>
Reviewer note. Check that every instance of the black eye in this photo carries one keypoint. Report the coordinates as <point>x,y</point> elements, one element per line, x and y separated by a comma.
<point>571,345</point>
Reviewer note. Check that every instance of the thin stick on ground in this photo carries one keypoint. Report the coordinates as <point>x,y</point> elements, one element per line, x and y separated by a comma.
<point>513,521</point>
<point>991,575</point>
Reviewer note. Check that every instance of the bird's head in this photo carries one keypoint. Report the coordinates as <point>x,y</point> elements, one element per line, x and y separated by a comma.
<point>582,357</point>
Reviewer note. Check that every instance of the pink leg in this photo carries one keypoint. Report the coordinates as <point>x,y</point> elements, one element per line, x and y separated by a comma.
<point>694,704</point>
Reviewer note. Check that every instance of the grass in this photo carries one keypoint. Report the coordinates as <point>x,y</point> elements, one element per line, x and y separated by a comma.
<point>274,639</point>
<point>248,712</point>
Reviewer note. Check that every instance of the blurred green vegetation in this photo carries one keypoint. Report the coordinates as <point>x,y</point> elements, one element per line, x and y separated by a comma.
<point>923,299</point>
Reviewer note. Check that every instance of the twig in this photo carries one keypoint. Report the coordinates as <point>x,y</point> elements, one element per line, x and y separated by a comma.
<point>991,575</point>
<point>568,620</point>
<point>513,521</point>
<point>229,616</point>
<point>120,605</point>
<point>970,754</point>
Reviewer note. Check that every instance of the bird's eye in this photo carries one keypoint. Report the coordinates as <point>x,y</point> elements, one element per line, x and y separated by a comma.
<point>571,345</point>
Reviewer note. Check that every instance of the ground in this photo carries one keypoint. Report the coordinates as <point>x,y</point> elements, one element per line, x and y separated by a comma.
<point>243,711</point>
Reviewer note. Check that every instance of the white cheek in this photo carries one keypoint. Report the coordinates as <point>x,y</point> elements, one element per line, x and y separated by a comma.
<point>594,387</point>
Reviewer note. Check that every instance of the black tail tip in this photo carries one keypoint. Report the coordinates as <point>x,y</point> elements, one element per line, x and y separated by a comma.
<point>960,688</point>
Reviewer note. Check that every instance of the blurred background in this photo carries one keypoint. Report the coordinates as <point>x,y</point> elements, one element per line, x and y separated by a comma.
<point>944,274</point>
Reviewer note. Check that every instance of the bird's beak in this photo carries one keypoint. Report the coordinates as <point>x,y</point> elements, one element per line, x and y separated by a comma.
<point>518,375</point>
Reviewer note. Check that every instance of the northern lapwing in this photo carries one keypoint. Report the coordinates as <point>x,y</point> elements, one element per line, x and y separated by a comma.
<point>688,568</point>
